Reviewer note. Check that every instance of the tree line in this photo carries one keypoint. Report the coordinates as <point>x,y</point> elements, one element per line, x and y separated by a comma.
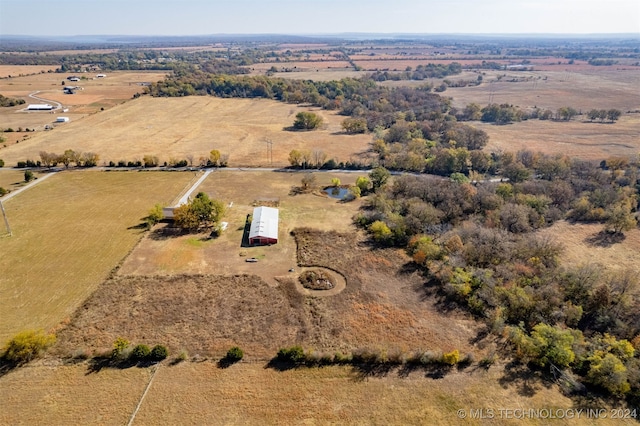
<point>506,113</point>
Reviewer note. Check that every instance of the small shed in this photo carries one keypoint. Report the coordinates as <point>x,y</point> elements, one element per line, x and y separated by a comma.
<point>264,226</point>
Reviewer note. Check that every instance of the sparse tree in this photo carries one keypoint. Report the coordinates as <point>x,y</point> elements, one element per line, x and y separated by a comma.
<point>354,125</point>
<point>214,157</point>
<point>379,177</point>
<point>150,161</point>
<point>319,157</point>
<point>155,215</point>
<point>620,218</point>
<point>613,115</point>
<point>28,176</point>
<point>295,158</point>
<point>49,159</point>
<point>308,181</point>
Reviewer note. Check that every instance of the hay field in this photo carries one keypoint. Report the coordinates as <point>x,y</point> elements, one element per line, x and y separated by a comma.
<point>582,90</point>
<point>69,232</point>
<point>249,394</point>
<point>178,127</point>
<point>589,141</point>
<point>17,70</point>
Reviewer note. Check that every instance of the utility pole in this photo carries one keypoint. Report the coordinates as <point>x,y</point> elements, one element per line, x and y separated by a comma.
<point>6,221</point>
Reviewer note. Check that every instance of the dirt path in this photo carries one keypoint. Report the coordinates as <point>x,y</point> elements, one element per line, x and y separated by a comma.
<point>33,95</point>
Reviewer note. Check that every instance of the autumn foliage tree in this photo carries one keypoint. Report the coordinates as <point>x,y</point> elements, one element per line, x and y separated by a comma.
<point>307,121</point>
<point>202,211</point>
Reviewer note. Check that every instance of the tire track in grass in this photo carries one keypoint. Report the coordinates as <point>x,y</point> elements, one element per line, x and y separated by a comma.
<point>146,389</point>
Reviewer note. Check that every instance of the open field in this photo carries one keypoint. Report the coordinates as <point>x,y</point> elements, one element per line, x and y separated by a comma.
<point>582,90</point>
<point>589,141</point>
<point>12,179</point>
<point>381,306</point>
<point>17,70</point>
<point>582,247</point>
<point>190,254</point>
<point>116,88</point>
<point>69,232</point>
<point>249,394</point>
<point>178,127</point>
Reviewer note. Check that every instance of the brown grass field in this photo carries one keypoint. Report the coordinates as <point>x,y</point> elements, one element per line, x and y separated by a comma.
<point>380,307</point>
<point>178,127</point>
<point>17,70</point>
<point>198,294</point>
<point>582,246</point>
<point>249,394</point>
<point>12,179</point>
<point>105,93</point>
<point>69,232</point>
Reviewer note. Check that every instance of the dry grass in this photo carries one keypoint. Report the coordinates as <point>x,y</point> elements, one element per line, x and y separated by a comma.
<point>249,394</point>
<point>100,93</point>
<point>12,179</point>
<point>582,90</point>
<point>17,70</point>
<point>178,127</point>
<point>582,247</point>
<point>59,395</point>
<point>68,233</point>
<point>225,255</point>
<point>590,141</point>
<point>382,307</point>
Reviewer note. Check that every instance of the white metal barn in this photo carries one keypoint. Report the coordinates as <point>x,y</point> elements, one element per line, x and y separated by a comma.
<point>39,107</point>
<point>264,226</point>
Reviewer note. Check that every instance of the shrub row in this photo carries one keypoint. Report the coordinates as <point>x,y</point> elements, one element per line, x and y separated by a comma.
<point>141,352</point>
<point>298,356</point>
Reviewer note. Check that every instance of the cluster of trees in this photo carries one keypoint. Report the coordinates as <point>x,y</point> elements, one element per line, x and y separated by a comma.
<point>421,72</point>
<point>201,212</point>
<point>506,113</point>
<point>123,351</point>
<point>9,102</point>
<point>603,114</point>
<point>477,245</point>
<point>306,120</point>
<point>26,346</point>
<point>68,158</point>
<point>357,98</point>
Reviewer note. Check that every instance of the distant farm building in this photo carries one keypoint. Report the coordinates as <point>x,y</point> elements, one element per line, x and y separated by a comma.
<point>264,226</point>
<point>62,120</point>
<point>39,107</point>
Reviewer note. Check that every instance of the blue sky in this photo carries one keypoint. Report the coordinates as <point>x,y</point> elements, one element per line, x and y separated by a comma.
<point>197,17</point>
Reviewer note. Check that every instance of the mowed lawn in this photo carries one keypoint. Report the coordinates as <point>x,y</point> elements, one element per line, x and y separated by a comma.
<point>69,232</point>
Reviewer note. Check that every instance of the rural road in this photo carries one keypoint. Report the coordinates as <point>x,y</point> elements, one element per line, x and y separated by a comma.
<point>27,186</point>
<point>33,95</point>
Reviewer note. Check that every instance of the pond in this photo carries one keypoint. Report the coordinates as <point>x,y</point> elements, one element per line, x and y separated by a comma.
<point>337,192</point>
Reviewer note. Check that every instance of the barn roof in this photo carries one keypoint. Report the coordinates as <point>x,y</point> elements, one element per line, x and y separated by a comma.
<point>264,223</point>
